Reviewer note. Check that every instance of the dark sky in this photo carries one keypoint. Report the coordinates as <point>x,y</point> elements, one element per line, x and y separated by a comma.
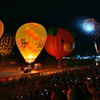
<point>58,13</point>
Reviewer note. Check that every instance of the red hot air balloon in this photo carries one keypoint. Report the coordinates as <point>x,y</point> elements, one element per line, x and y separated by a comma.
<point>60,42</point>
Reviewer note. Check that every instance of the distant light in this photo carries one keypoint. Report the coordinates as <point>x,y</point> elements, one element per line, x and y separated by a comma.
<point>96,59</point>
<point>78,55</point>
<point>63,57</point>
<point>94,42</point>
<point>77,58</point>
<point>96,63</point>
<point>80,58</point>
<point>93,56</point>
<point>13,53</point>
<point>84,57</point>
<point>67,57</point>
<point>97,56</point>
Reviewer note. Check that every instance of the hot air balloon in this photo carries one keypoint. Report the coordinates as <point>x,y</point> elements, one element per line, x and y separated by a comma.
<point>1,28</point>
<point>60,42</point>
<point>95,45</point>
<point>7,44</point>
<point>30,40</point>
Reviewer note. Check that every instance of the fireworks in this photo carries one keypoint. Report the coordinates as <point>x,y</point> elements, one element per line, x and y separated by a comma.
<point>88,27</point>
<point>91,28</point>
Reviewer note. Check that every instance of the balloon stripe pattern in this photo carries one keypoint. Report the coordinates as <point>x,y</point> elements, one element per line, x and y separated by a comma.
<point>30,39</point>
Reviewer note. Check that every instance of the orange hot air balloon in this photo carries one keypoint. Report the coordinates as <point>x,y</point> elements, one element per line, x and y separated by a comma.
<point>60,42</point>
<point>30,40</point>
<point>1,28</point>
<point>7,44</point>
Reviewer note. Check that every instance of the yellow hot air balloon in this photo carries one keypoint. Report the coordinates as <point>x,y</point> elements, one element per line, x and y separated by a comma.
<point>1,28</point>
<point>30,39</point>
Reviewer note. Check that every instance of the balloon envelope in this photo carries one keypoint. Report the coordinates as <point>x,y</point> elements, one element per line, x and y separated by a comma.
<point>7,44</point>
<point>1,28</point>
<point>60,43</point>
<point>30,40</point>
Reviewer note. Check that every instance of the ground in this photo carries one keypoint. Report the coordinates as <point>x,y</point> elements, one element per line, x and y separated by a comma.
<point>9,70</point>
<point>13,70</point>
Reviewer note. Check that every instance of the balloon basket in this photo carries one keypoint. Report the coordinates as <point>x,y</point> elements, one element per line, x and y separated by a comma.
<point>59,65</point>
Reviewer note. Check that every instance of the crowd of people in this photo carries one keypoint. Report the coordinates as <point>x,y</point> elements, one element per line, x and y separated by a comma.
<point>73,84</point>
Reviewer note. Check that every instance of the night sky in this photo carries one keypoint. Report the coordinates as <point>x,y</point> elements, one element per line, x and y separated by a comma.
<point>57,13</point>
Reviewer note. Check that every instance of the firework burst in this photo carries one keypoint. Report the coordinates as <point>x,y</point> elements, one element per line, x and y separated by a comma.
<point>91,28</point>
<point>88,27</point>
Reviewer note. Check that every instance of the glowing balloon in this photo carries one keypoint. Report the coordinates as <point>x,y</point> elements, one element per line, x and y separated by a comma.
<point>95,45</point>
<point>7,44</point>
<point>30,39</point>
<point>60,42</point>
<point>1,28</point>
